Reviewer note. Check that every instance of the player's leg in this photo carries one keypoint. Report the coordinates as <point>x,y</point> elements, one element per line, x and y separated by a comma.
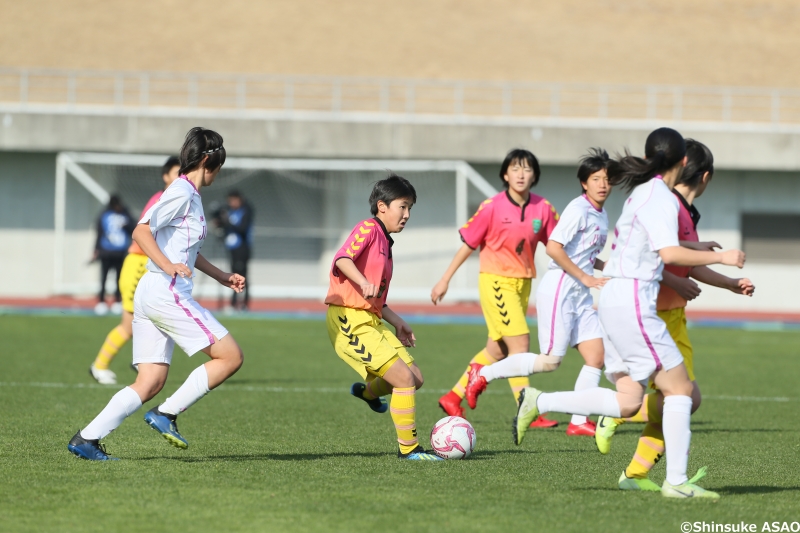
<point>101,308</point>
<point>152,351</point>
<point>116,264</point>
<point>593,353</point>
<point>133,269</point>
<point>451,402</point>
<point>595,401</point>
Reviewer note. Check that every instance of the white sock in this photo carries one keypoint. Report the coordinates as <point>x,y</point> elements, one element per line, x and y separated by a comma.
<point>588,378</point>
<point>513,366</point>
<point>194,388</point>
<point>677,436</point>
<point>122,405</point>
<point>594,401</point>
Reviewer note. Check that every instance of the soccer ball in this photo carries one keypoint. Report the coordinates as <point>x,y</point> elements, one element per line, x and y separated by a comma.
<point>453,437</point>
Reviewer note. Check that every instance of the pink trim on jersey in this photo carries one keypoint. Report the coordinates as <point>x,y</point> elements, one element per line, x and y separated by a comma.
<point>189,313</point>
<point>183,177</point>
<point>553,316</point>
<point>591,204</point>
<point>641,324</point>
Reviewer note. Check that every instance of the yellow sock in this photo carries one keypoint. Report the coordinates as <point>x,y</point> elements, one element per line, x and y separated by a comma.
<point>517,384</point>
<point>403,409</point>
<point>116,339</point>
<point>376,388</point>
<point>482,358</point>
<point>648,452</point>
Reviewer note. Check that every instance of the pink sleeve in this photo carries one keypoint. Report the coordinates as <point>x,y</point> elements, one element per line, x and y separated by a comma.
<point>473,233</point>
<point>356,244</point>
<point>151,202</point>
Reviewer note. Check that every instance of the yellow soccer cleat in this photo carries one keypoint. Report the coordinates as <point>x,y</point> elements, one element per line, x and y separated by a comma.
<point>527,412</point>
<point>688,489</point>
<point>633,483</point>
<point>606,427</point>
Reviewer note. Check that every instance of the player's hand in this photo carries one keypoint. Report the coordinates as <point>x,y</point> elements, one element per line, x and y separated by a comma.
<point>593,282</point>
<point>405,335</point>
<point>708,246</point>
<point>234,281</point>
<point>686,289</point>
<point>743,286</point>
<point>178,269</point>
<point>369,290</point>
<point>438,291</point>
<point>733,258</point>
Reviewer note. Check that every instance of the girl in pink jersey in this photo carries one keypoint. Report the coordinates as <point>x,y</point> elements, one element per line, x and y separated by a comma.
<point>506,228</point>
<point>563,299</point>
<point>171,233</point>
<point>638,344</point>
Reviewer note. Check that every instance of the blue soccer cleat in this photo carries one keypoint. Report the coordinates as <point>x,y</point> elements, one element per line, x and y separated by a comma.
<point>167,425</point>
<point>90,450</point>
<point>419,454</point>
<point>378,405</point>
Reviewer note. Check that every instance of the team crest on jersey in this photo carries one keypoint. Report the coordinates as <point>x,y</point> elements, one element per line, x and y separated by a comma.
<point>537,225</point>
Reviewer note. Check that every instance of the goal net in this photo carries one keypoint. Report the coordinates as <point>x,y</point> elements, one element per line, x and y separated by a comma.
<point>303,211</point>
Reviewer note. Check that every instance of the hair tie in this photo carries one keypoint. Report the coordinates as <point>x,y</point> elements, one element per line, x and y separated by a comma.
<point>212,151</point>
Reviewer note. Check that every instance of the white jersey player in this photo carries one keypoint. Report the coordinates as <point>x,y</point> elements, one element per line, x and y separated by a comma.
<point>563,300</point>
<point>639,346</point>
<point>171,233</point>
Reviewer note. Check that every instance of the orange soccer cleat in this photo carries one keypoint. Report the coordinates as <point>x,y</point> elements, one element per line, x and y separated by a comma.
<point>451,404</point>
<point>586,429</point>
<point>543,422</point>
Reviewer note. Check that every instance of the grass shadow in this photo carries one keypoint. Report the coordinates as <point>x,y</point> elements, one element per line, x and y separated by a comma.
<point>263,457</point>
<point>753,489</point>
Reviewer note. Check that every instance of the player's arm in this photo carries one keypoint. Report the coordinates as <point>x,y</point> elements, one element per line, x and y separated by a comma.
<point>232,281</point>
<point>705,275</point>
<point>401,327</point>
<point>440,289</point>
<point>678,255</point>
<point>556,251</point>
<point>686,288</point>
<point>346,266</point>
<point>707,246</point>
<point>144,238</point>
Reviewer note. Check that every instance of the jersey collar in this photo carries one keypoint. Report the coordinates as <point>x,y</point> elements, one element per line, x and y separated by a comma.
<point>386,233</point>
<point>522,207</point>
<point>694,214</point>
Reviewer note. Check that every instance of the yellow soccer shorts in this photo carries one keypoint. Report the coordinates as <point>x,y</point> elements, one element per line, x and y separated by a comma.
<point>676,325</point>
<point>505,303</point>
<point>133,268</point>
<point>363,341</point>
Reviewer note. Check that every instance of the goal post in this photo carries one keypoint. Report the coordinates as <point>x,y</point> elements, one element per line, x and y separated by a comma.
<point>303,211</point>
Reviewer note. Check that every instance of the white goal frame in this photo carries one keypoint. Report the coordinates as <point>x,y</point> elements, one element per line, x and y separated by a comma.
<point>68,165</point>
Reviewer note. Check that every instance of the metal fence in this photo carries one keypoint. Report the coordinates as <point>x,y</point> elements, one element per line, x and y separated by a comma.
<point>150,90</point>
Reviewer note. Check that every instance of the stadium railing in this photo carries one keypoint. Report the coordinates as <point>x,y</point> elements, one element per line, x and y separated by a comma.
<point>79,89</point>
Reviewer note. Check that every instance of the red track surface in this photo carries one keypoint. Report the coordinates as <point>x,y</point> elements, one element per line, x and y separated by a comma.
<point>314,306</point>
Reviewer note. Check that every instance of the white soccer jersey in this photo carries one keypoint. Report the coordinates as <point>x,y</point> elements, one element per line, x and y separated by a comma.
<point>649,222</point>
<point>583,230</point>
<point>178,224</point>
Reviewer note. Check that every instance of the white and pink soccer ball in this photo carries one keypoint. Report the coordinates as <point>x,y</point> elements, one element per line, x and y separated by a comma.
<point>453,437</point>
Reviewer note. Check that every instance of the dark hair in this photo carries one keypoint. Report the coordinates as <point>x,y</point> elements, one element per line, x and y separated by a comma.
<point>233,193</point>
<point>594,161</point>
<point>390,189</point>
<point>115,203</point>
<point>199,143</point>
<point>664,149</point>
<point>519,155</point>
<point>699,161</point>
<point>171,162</point>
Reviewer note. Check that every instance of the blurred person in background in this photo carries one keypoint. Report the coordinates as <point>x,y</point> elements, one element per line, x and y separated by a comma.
<point>133,268</point>
<point>114,228</point>
<point>236,221</point>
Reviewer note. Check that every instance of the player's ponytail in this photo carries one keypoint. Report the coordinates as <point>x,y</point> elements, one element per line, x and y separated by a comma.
<point>699,161</point>
<point>664,149</point>
<point>198,144</point>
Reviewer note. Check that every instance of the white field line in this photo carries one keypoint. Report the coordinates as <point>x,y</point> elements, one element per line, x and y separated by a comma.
<point>340,390</point>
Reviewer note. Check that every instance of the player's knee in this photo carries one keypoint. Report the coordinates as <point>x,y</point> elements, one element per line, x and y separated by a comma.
<point>630,396</point>
<point>546,363</point>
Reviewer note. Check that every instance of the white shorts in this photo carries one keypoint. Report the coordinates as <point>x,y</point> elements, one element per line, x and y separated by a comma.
<point>637,341</point>
<point>565,314</point>
<point>163,317</point>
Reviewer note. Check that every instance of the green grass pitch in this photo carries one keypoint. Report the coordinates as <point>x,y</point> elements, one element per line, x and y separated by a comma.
<point>283,447</point>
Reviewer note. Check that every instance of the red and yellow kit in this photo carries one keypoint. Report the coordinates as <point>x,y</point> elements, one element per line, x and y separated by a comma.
<point>670,305</point>
<point>354,323</point>
<point>507,234</point>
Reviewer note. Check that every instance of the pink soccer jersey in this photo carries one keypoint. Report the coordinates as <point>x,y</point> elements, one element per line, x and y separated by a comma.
<point>134,248</point>
<point>370,247</point>
<point>507,234</point>
<point>687,231</point>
